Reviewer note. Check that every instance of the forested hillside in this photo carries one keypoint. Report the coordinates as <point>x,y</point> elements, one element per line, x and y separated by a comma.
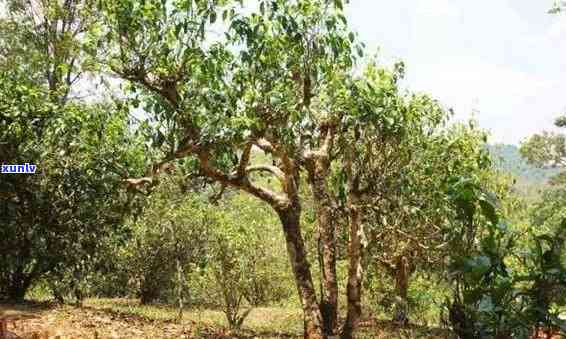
<point>509,159</point>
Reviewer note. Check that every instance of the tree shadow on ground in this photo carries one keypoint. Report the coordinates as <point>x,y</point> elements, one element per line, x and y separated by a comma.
<point>26,308</point>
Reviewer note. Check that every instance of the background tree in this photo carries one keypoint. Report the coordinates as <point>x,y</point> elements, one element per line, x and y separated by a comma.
<point>48,37</point>
<point>558,7</point>
<point>245,267</point>
<point>52,220</point>
<point>547,149</point>
<point>169,240</point>
<point>375,160</point>
<point>409,230</point>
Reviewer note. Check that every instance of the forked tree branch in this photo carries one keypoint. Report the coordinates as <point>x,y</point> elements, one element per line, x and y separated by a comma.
<point>277,200</point>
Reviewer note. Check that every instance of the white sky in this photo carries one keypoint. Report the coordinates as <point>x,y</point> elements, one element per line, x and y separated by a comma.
<point>503,59</point>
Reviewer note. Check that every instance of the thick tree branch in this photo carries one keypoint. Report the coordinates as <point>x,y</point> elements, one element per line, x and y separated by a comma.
<point>328,132</point>
<point>244,160</point>
<point>267,168</point>
<point>385,263</point>
<point>275,199</point>
<point>162,166</point>
<point>167,87</point>
<point>265,145</point>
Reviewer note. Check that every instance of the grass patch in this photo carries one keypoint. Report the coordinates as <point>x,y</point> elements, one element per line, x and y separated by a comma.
<point>283,321</point>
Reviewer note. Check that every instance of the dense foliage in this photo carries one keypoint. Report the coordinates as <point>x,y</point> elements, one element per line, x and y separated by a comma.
<point>51,220</point>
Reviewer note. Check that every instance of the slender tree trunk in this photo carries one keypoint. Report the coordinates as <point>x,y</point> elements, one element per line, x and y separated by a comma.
<point>402,280</point>
<point>58,297</point>
<point>148,292</point>
<point>326,221</point>
<point>79,297</point>
<point>16,294</point>
<point>19,284</point>
<point>402,274</point>
<point>180,289</point>
<point>355,270</point>
<point>290,220</point>
<point>180,272</point>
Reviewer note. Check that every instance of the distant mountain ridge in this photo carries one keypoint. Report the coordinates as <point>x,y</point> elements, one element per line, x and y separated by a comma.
<point>508,159</point>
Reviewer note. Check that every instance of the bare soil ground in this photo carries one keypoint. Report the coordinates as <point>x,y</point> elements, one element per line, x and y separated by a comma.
<point>121,318</point>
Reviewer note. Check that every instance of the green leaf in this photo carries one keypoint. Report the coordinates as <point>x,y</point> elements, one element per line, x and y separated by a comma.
<point>360,51</point>
<point>486,305</point>
<point>489,211</point>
